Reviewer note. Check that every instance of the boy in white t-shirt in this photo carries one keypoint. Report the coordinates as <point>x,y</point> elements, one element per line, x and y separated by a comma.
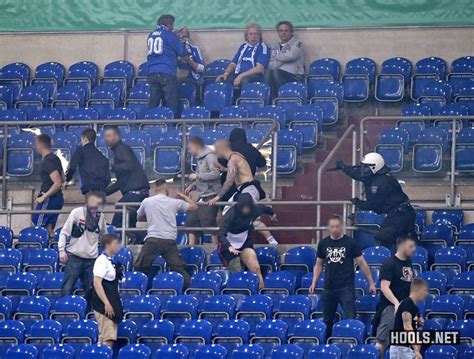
<point>106,301</point>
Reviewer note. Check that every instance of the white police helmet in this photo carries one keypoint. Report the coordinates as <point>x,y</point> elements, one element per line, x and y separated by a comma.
<point>374,160</point>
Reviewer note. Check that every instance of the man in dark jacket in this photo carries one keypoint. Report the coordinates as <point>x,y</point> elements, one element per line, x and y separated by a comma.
<point>384,195</point>
<point>93,165</point>
<point>131,178</point>
<point>233,241</point>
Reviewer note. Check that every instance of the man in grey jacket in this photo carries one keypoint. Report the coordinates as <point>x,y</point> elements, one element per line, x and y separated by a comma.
<point>287,59</point>
<point>79,241</point>
<point>206,182</point>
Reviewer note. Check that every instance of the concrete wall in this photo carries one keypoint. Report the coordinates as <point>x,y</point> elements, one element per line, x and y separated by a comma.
<point>342,44</point>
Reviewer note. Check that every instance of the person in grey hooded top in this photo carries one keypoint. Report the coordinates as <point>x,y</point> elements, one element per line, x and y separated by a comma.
<point>206,182</point>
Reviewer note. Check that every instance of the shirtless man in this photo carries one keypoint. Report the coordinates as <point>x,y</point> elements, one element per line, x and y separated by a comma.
<point>239,172</point>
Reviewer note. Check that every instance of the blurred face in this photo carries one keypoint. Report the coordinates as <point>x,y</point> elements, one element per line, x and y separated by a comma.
<point>245,210</point>
<point>284,33</point>
<point>408,248</point>
<point>94,202</point>
<point>253,35</point>
<point>163,189</point>
<point>420,293</point>
<point>184,33</point>
<point>193,149</point>
<point>335,228</point>
<point>113,247</point>
<point>84,140</point>
<point>39,146</point>
<point>111,138</point>
<point>221,148</point>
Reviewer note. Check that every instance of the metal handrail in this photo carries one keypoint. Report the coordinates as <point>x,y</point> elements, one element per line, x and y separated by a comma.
<point>453,119</point>
<point>272,133</point>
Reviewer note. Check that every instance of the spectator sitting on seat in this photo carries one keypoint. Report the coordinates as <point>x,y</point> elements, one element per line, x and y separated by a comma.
<point>160,213</point>
<point>190,69</point>
<point>93,165</point>
<point>234,242</point>
<point>51,174</point>
<point>79,241</point>
<point>250,60</point>
<point>131,177</point>
<point>106,303</point>
<point>164,49</point>
<point>206,182</point>
<point>287,59</point>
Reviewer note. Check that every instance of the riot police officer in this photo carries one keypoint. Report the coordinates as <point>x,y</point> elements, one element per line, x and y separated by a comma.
<point>384,195</point>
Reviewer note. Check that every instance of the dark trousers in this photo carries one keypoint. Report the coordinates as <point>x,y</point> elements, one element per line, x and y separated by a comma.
<point>78,268</point>
<point>277,77</point>
<point>166,248</point>
<point>163,87</point>
<point>331,299</point>
<point>132,214</point>
<point>397,223</point>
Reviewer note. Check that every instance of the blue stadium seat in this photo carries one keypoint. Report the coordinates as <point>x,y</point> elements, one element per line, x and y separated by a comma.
<point>299,260</point>
<point>420,260</point>
<point>187,93</point>
<point>156,333</point>
<point>143,308</point>
<point>465,150</point>
<point>126,333</point>
<point>427,69</point>
<point>466,240</point>
<point>452,218</point>
<point>290,146</point>
<point>124,258</point>
<point>40,262</point>
<point>166,285</point>
<point>50,285</point>
<point>135,351</point>
<point>463,285</point>
<point>232,112</point>
<point>366,306</point>
<point>253,97</point>
<point>393,80</point>
<point>5,308</point>
<point>255,309</point>
<point>50,75</point>
<point>45,114</point>
<point>292,92</point>
<point>287,351</point>
<point>325,351</point>
<point>180,308</point>
<point>231,334</point>
<point>194,333</point>
<point>308,334</point>
<point>33,237</point>
<point>204,285</point>
<point>217,309</point>
<point>6,237</point>
<point>466,329</point>
<point>68,309</point>
<point>436,94</point>
<point>210,351</point>
<point>167,154</point>
<point>80,333</point>
<point>32,97</point>
<point>393,144</point>
<point>273,112</point>
<point>96,352</point>
<point>270,334</point>
<point>324,69</point>
<point>436,280</point>
<point>31,310</point>
<point>309,121</point>
<point>12,333</point>
<point>6,97</point>
<point>279,285</point>
<point>105,97</point>
<point>44,333</point>
<point>293,310</point>
<point>436,236</point>
<point>172,351</point>
<point>465,96</point>
<point>462,73</point>
<point>59,351</point>
<point>452,109</point>
<point>363,351</point>
<point>83,74</point>
<point>347,333</point>
<point>195,258</point>
<point>441,352</point>
<point>22,351</point>
<point>376,256</point>
<point>428,152</point>
<point>268,258</point>
<point>446,309</point>
<point>81,114</point>
<point>142,74</point>
<point>140,142</point>
<point>134,283</point>
<point>65,143</point>
<point>358,78</point>
<point>10,260</point>
<point>138,98</point>
<point>330,97</point>
<point>13,114</point>
<point>19,285</point>
<point>15,76</point>
<point>241,284</point>
<point>413,127</point>
<point>156,113</point>
<point>248,351</point>
<point>20,155</point>
<point>119,72</point>
<point>213,69</point>
<point>217,96</point>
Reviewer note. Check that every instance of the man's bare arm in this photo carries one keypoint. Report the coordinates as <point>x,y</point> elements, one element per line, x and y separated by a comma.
<point>231,173</point>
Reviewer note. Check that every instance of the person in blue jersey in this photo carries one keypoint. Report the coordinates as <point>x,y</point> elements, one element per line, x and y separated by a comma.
<point>192,68</point>
<point>250,60</point>
<point>164,50</point>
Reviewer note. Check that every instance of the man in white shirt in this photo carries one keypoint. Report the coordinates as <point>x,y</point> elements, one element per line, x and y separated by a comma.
<point>82,229</point>
<point>287,59</point>
<point>160,213</point>
<point>106,302</point>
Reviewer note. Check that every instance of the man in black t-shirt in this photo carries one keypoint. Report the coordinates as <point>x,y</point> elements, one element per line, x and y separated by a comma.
<point>337,252</point>
<point>50,196</point>
<point>407,318</point>
<point>396,275</point>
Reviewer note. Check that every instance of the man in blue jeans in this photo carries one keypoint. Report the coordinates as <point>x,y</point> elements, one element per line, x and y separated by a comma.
<point>338,251</point>
<point>164,49</point>
<point>79,241</point>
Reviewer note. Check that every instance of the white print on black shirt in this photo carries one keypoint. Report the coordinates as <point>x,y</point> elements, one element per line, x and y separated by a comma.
<point>336,255</point>
<point>407,274</point>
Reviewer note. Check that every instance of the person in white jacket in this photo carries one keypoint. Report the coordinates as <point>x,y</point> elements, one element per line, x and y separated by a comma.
<point>287,59</point>
<point>79,241</point>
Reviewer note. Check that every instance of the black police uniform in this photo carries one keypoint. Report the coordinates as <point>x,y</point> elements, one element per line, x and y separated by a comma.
<point>384,195</point>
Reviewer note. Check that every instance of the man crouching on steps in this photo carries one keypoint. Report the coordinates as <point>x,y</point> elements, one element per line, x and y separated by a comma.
<point>234,245</point>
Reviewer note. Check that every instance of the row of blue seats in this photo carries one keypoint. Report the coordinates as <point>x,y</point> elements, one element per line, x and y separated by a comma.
<point>192,334</point>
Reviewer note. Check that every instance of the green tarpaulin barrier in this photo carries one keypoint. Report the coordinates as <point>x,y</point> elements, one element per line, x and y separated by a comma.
<point>92,15</point>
